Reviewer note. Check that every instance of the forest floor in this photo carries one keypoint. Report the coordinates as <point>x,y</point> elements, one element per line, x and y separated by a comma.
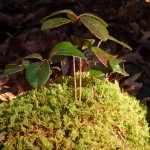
<point>20,35</point>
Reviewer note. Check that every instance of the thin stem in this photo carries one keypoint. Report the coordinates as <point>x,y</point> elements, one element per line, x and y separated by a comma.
<point>75,80</point>
<point>80,69</point>
<point>36,100</point>
<point>99,43</point>
<point>44,94</point>
<point>94,87</point>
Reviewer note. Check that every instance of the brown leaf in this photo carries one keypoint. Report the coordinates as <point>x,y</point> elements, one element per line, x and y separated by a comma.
<point>2,137</point>
<point>132,57</point>
<point>7,96</point>
<point>130,81</point>
<point>145,35</point>
<point>65,66</point>
<point>131,86</point>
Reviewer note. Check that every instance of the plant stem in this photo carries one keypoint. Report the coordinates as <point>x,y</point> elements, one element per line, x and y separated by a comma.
<point>44,94</point>
<point>75,80</point>
<point>99,43</point>
<point>36,100</point>
<point>80,69</point>
<point>94,87</point>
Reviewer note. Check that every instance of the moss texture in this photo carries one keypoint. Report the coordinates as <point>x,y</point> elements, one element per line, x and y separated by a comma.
<point>105,119</point>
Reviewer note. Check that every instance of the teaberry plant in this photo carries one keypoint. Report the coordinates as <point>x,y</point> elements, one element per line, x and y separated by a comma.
<point>38,72</point>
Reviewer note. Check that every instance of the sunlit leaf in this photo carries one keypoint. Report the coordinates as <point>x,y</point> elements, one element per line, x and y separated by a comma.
<point>118,66</point>
<point>69,13</point>
<point>96,27</point>
<point>37,73</point>
<point>56,68</point>
<point>119,42</point>
<point>25,63</point>
<point>55,22</point>
<point>102,55</point>
<point>87,43</point>
<point>13,69</point>
<point>72,16</point>
<point>98,71</point>
<point>95,17</point>
<point>67,49</point>
<point>34,55</point>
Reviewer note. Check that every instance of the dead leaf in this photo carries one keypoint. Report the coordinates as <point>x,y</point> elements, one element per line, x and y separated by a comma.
<point>7,96</point>
<point>147,99</point>
<point>130,81</point>
<point>131,86</point>
<point>133,57</point>
<point>65,66</point>
<point>145,43</point>
<point>2,137</point>
<point>144,92</point>
<point>145,35</point>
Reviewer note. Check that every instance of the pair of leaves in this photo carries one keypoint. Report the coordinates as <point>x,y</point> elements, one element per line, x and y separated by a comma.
<point>37,73</point>
<point>98,28</point>
<point>117,66</point>
<point>55,22</point>
<point>95,24</point>
<point>104,57</point>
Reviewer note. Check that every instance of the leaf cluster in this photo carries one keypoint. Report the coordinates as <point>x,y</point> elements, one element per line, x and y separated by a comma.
<point>37,72</point>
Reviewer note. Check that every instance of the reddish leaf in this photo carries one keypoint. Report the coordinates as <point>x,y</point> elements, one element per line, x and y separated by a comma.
<point>102,55</point>
<point>69,13</point>
<point>96,27</point>
<point>55,22</point>
<point>95,17</point>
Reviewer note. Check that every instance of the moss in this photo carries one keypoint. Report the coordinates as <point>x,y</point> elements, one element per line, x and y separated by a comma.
<point>105,119</point>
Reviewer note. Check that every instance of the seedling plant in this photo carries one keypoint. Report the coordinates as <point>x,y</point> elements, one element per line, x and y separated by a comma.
<point>37,72</point>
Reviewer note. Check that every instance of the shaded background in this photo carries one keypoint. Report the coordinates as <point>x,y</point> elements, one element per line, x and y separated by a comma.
<point>128,21</point>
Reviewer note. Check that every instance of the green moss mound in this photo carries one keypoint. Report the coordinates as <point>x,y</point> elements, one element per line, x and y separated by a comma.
<point>105,119</point>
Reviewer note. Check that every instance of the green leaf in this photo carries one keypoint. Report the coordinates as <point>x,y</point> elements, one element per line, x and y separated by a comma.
<point>55,22</point>
<point>37,73</point>
<point>34,55</point>
<point>102,55</point>
<point>57,58</point>
<point>96,27</point>
<point>119,42</point>
<point>13,69</point>
<point>76,41</point>
<point>69,13</point>
<point>25,63</point>
<point>98,71</point>
<point>95,17</point>
<point>87,43</point>
<point>56,68</point>
<point>72,17</point>
<point>118,66</point>
<point>67,49</point>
